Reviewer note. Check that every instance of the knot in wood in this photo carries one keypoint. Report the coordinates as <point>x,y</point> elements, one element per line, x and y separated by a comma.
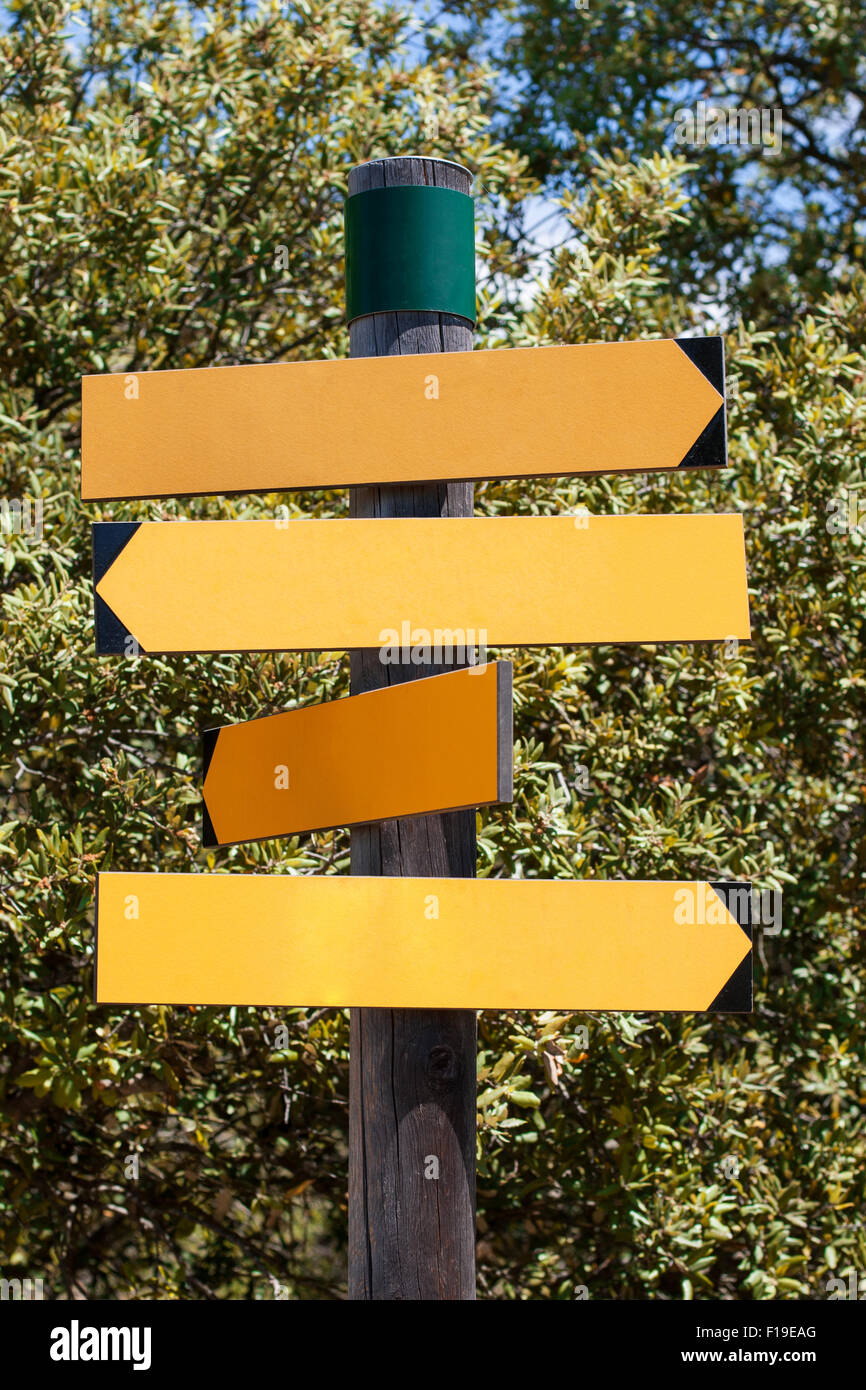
<point>443,1068</point>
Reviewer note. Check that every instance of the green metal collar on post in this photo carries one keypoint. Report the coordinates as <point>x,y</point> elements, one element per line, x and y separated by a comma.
<point>410,248</point>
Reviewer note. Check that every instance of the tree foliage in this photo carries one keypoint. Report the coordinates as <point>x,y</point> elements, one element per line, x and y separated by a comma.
<point>773,221</point>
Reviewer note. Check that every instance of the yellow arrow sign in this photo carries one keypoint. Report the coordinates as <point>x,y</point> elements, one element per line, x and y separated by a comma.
<point>421,942</point>
<point>419,584</point>
<point>345,762</point>
<point>521,412</point>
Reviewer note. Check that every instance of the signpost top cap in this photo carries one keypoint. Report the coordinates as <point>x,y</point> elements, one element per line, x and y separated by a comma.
<point>394,159</point>
<point>410,247</point>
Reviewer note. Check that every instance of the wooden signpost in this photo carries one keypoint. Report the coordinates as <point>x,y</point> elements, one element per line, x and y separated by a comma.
<point>523,412</point>
<point>344,762</point>
<point>412,584</point>
<point>411,1071</point>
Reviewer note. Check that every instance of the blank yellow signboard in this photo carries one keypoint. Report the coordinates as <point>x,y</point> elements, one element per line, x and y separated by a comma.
<point>414,942</point>
<point>228,586</point>
<point>515,412</point>
<point>382,754</point>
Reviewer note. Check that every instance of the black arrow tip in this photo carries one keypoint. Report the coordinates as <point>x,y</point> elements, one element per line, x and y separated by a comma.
<point>208,834</point>
<point>112,636</point>
<point>735,997</point>
<point>710,449</point>
<point>208,744</point>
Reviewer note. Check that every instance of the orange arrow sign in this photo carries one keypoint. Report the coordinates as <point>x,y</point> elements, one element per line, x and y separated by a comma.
<point>433,583</point>
<point>519,412</point>
<point>249,939</point>
<point>345,762</point>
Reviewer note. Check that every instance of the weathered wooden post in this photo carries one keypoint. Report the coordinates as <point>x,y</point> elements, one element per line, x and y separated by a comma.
<point>412,1072</point>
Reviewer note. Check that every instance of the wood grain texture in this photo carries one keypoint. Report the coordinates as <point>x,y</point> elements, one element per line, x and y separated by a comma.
<point>412,1071</point>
